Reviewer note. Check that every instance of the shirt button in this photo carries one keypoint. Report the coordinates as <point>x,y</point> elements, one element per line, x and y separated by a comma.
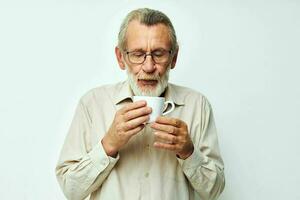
<point>146,175</point>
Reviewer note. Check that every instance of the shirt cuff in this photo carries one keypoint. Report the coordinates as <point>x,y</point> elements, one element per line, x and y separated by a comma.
<point>100,159</point>
<point>192,162</point>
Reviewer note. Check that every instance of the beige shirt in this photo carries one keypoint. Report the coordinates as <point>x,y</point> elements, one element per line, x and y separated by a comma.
<point>140,171</point>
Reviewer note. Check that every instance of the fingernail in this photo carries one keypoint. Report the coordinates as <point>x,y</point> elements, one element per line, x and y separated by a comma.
<point>142,102</point>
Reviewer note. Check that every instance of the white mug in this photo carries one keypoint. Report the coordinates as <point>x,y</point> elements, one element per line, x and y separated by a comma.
<point>158,105</point>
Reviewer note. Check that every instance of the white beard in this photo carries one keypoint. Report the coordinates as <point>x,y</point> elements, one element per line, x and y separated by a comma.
<point>162,83</point>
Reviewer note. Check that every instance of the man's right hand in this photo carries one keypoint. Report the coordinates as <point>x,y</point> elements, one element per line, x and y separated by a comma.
<point>128,121</point>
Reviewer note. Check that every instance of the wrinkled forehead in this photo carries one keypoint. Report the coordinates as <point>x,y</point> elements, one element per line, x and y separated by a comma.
<point>141,36</point>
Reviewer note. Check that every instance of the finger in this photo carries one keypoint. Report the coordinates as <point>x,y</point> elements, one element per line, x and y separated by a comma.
<point>169,121</point>
<point>171,147</point>
<point>137,113</point>
<point>132,124</point>
<point>169,138</point>
<point>165,128</point>
<point>136,130</point>
<point>131,106</point>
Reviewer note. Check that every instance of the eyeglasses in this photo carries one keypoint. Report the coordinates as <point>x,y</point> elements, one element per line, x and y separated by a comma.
<point>160,56</point>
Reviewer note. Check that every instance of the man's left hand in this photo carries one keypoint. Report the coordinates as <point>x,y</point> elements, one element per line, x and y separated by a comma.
<point>172,134</point>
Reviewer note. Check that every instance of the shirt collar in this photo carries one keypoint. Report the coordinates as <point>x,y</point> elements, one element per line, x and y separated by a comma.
<point>171,94</point>
<point>123,92</point>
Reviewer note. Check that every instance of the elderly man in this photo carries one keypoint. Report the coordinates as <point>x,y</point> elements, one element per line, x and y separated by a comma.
<point>111,153</point>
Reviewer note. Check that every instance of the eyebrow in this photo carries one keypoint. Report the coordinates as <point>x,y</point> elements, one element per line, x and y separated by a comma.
<point>142,50</point>
<point>138,49</point>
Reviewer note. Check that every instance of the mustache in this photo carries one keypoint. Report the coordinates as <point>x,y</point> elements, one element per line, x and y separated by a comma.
<point>148,77</point>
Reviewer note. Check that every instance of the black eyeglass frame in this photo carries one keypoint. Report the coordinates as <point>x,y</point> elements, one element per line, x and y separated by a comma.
<point>149,54</point>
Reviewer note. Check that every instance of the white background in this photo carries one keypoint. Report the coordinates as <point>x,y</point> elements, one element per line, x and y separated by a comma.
<point>243,55</point>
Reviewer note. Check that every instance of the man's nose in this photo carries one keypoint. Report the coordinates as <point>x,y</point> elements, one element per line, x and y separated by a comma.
<point>149,65</point>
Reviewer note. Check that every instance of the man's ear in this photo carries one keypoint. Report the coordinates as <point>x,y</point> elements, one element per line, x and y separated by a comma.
<point>120,59</point>
<point>174,59</point>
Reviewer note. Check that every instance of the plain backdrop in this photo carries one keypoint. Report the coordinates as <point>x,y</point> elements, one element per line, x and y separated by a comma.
<point>242,55</point>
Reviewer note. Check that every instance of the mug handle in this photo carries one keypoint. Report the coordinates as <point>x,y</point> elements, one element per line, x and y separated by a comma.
<point>172,107</point>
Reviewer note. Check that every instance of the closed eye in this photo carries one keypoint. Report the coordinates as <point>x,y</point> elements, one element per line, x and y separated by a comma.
<point>138,54</point>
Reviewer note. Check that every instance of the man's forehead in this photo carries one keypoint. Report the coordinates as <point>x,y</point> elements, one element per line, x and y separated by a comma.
<point>139,34</point>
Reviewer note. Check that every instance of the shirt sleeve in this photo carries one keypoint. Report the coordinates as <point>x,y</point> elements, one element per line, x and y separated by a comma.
<point>204,168</point>
<point>81,170</point>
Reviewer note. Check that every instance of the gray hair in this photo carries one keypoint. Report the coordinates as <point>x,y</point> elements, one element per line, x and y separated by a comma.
<point>147,17</point>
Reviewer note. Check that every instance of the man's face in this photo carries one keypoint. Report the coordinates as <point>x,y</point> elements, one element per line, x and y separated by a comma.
<point>148,78</point>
